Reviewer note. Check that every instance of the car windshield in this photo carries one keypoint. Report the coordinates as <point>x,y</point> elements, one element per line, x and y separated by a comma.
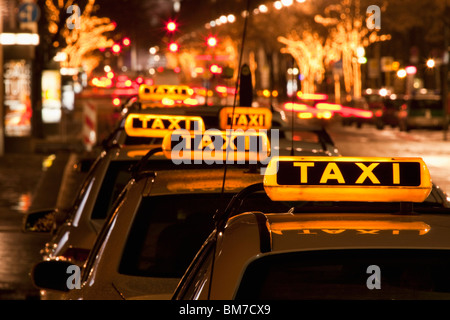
<point>349,274</point>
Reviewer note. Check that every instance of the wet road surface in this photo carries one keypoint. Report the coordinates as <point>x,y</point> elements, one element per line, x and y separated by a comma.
<point>19,176</point>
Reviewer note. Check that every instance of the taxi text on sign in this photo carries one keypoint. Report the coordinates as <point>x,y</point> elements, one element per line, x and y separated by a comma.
<point>347,179</point>
<point>217,146</point>
<point>245,118</point>
<point>158,126</point>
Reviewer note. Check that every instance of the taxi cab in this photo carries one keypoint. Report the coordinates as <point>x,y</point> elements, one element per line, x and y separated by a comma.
<point>302,138</point>
<point>180,100</point>
<point>352,228</point>
<point>158,223</point>
<point>108,176</point>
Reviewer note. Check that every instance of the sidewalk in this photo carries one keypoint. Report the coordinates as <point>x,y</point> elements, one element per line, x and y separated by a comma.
<point>30,181</point>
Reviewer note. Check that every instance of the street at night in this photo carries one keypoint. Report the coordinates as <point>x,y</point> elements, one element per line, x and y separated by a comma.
<point>20,251</point>
<point>224,150</point>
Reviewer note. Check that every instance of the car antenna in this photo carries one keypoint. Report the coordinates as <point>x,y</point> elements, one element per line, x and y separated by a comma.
<point>244,32</point>
<point>245,95</point>
<point>292,112</point>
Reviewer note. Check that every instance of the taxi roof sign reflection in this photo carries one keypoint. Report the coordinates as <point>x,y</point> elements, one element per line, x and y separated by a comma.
<point>335,227</point>
<point>216,145</point>
<point>158,126</point>
<point>347,179</point>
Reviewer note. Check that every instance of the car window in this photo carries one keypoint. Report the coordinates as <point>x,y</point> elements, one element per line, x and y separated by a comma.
<point>116,178</point>
<point>343,274</point>
<point>103,235</point>
<point>86,186</point>
<point>197,276</point>
<point>83,199</point>
<point>168,231</point>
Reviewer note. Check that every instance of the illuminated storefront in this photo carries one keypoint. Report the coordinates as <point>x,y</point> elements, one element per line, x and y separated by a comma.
<point>17,98</point>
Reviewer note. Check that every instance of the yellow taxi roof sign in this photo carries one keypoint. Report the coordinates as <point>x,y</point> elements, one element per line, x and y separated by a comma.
<point>235,146</point>
<point>159,92</point>
<point>245,118</point>
<point>158,126</point>
<point>347,179</point>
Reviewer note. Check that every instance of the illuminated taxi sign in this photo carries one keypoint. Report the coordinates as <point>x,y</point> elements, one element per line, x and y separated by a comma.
<point>158,126</point>
<point>245,118</point>
<point>159,92</point>
<point>347,179</point>
<point>216,146</point>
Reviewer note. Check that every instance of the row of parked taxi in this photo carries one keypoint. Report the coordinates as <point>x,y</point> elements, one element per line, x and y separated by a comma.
<point>177,207</point>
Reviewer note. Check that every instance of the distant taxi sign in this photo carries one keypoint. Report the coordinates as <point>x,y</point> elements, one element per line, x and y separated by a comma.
<point>158,126</point>
<point>347,179</point>
<point>216,146</point>
<point>245,118</point>
<point>159,92</point>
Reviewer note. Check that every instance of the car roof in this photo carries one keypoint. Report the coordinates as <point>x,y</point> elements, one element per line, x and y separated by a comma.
<point>281,233</point>
<point>188,178</point>
<point>132,152</point>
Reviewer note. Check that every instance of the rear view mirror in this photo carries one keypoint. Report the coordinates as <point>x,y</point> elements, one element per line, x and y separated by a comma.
<point>53,275</point>
<point>39,221</point>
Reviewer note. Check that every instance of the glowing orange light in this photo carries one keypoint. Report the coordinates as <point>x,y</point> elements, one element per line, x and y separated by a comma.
<point>305,115</point>
<point>215,69</point>
<point>126,42</point>
<point>328,106</point>
<point>171,26</point>
<point>110,75</point>
<point>167,102</point>
<point>289,106</point>
<point>173,47</point>
<point>199,70</point>
<point>116,102</point>
<point>312,96</point>
<point>211,41</point>
<point>324,115</point>
<point>221,89</point>
<point>116,48</point>
<point>191,102</point>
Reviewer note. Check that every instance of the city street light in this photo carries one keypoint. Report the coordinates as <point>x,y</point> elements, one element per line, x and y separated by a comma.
<point>126,42</point>
<point>211,41</point>
<point>171,26</point>
<point>116,48</point>
<point>401,73</point>
<point>173,47</point>
<point>431,63</point>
